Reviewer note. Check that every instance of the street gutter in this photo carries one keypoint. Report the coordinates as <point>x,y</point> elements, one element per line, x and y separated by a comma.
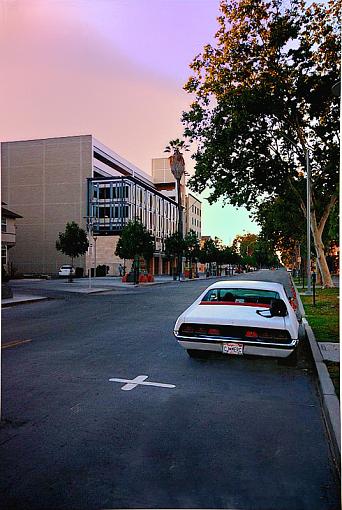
<point>329,400</point>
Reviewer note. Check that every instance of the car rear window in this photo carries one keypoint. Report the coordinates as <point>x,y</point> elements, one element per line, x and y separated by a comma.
<point>240,296</point>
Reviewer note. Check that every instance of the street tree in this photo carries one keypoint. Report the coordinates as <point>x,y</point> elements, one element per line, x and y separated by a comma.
<point>174,246</point>
<point>209,252</point>
<point>263,103</point>
<point>191,246</point>
<point>73,242</point>
<point>135,241</point>
<point>281,222</point>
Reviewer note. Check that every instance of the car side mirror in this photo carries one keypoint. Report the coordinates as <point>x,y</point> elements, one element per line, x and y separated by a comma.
<point>278,308</point>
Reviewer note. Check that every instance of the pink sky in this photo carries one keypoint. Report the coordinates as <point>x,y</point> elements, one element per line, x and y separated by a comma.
<point>113,68</point>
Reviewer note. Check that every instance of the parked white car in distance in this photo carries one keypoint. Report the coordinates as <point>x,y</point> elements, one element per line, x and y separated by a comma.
<point>66,270</point>
<point>240,317</point>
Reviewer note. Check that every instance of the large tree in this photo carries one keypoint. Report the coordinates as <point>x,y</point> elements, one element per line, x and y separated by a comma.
<point>263,102</point>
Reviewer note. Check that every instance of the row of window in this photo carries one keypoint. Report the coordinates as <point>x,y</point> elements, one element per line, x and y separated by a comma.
<point>110,192</point>
<point>195,222</point>
<point>135,195</point>
<point>196,210</point>
<point>113,203</point>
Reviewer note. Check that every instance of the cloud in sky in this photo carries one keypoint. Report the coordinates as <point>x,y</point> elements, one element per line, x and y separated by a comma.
<point>111,68</point>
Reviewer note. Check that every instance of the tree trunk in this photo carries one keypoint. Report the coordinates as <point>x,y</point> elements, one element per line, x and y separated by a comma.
<point>319,247</point>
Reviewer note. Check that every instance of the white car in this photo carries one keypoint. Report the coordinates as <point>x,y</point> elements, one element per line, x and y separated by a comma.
<point>240,317</point>
<point>66,270</point>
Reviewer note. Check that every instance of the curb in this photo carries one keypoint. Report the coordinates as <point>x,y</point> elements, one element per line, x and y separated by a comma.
<point>328,397</point>
<point>24,302</point>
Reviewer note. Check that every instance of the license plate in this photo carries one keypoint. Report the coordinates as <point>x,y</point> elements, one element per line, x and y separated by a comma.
<point>236,349</point>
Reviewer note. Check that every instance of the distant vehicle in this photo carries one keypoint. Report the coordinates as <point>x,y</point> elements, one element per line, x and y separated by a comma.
<point>66,270</point>
<point>240,317</point>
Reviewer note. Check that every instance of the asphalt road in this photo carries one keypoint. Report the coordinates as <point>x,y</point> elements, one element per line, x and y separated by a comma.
<point>234,433</point>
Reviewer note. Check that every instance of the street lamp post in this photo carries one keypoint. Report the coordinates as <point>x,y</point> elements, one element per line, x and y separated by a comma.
<point>95,239</point>
<point>308,226</point>
<point>308,213</point>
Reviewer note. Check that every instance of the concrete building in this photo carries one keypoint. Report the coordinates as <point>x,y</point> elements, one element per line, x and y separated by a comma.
<point>50,182</point>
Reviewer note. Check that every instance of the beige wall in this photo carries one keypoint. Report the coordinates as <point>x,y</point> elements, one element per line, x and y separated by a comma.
<point>45,182</point>
<point>193,215</point>
<point>105,254</point>
<point>161,173</point>
<point>8,237</point>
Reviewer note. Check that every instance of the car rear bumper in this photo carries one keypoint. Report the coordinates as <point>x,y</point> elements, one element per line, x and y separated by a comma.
<point>258,349</point>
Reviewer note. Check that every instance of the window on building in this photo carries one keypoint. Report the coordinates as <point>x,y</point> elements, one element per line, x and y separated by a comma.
<point>104,212</point>
<point>3,255</point>
<point>104,193</point>
<point>3,224</point>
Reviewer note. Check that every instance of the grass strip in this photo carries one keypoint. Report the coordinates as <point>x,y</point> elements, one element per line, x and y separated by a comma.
<point>324,316</point>
<point>324,320</point>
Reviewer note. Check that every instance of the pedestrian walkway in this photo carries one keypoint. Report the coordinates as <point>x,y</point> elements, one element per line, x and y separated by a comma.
<point>330,351</point>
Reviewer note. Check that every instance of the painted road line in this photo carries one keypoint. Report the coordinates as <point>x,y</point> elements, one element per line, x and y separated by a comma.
<point>14,343</point>
<point>130,384</point>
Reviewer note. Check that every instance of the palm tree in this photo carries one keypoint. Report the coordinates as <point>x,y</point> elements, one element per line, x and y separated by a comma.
<point>176,145</point>
<point>178,168</point>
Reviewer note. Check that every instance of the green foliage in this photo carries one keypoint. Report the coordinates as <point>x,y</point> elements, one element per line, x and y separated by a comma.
<point>174,245</point>
<point>73,241</point>
<point>283,224</point>
<point>262,97</point>
<point>244,115</point>
<point>134,241</point>
<point>209,252</point>
<point>176,145</point>
<point>191,246</point>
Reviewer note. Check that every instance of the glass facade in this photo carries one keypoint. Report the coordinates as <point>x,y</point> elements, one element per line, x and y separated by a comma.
<point>113,202</point>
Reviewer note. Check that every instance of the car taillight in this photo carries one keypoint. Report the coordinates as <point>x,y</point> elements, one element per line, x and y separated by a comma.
<point>187,329</point>
<point>201,330</point>
<point>214,331</point>
<point>250,333</point>
<point>274,334</point>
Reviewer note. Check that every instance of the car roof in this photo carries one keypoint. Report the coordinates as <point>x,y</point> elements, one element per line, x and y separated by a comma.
<point>247,284</point>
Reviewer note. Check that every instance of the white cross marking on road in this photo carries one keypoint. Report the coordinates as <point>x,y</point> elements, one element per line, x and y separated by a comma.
<point>139,380</point>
